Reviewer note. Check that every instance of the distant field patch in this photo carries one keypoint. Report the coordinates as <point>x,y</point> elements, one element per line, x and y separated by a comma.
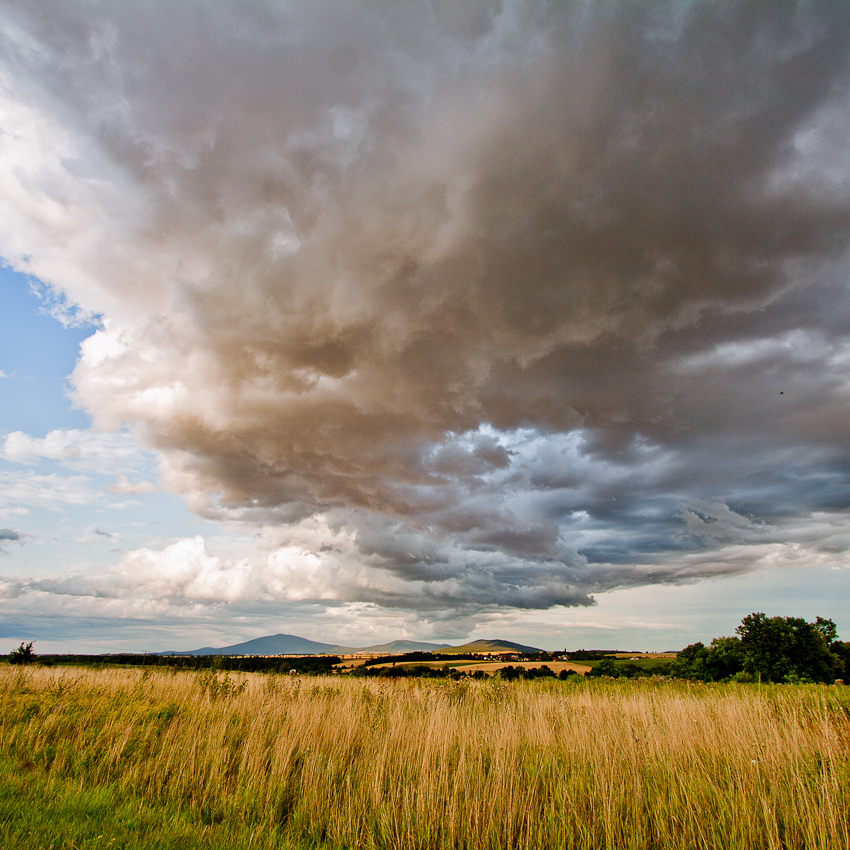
<point>494,666</point>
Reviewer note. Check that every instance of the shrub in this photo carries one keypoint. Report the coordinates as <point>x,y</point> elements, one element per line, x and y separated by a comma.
<point>23,654</point>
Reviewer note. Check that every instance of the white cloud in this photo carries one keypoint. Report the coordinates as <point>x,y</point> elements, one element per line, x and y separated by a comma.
<point>130,488</point>
<point>46,491</point>
<point>80,450</point>
<point>68,206</point>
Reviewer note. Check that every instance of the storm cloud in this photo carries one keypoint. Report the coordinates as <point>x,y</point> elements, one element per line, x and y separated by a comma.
<point>518,302</point>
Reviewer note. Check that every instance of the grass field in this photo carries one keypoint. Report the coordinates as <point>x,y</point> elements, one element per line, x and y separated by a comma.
<point>648,663</point>
<point>146,759</point>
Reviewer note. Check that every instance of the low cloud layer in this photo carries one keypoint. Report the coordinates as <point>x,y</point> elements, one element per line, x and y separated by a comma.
<point>326,580</point>
<point>523,302</point>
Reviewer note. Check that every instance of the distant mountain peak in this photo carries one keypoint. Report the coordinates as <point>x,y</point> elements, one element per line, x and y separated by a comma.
<point>485,645</point>
<point>282,644</point>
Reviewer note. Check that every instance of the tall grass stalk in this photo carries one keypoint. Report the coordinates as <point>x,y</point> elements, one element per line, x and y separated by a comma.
<point>414,764</point>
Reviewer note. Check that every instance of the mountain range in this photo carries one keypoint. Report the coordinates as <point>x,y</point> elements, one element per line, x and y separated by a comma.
<point>294,645</point>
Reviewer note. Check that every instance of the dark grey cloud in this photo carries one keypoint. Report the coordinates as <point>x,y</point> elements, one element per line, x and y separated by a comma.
<point>531,300</point>
<point>8,535</point>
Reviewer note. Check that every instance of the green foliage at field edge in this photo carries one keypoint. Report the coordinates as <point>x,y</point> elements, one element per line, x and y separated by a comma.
<point>38,812</point>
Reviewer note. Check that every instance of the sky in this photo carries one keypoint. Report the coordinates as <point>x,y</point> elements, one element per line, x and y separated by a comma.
<point>429,320</point>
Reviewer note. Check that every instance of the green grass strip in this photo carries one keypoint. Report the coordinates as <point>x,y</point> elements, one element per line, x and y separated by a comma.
<point>40,813</point>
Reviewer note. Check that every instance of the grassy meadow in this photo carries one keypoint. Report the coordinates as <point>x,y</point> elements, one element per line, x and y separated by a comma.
<point>143,758</point>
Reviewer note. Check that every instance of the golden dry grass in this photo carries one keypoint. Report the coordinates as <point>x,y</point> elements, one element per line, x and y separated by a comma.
<point>339,762</point>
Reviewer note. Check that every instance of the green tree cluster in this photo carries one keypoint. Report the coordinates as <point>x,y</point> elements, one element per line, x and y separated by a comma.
<point>769,649</point>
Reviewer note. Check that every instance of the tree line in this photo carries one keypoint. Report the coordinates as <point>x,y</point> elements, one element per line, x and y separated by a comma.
<point>769,649</point>
<point>305,664</point>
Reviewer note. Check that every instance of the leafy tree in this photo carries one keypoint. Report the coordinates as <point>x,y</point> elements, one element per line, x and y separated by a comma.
<point>724,659</point>
<point>690,662</point>
<point>23,654</point>
<point>828,629</point>
<point>606,667</point>
<point>841,651</point>
<point>782,649</point>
